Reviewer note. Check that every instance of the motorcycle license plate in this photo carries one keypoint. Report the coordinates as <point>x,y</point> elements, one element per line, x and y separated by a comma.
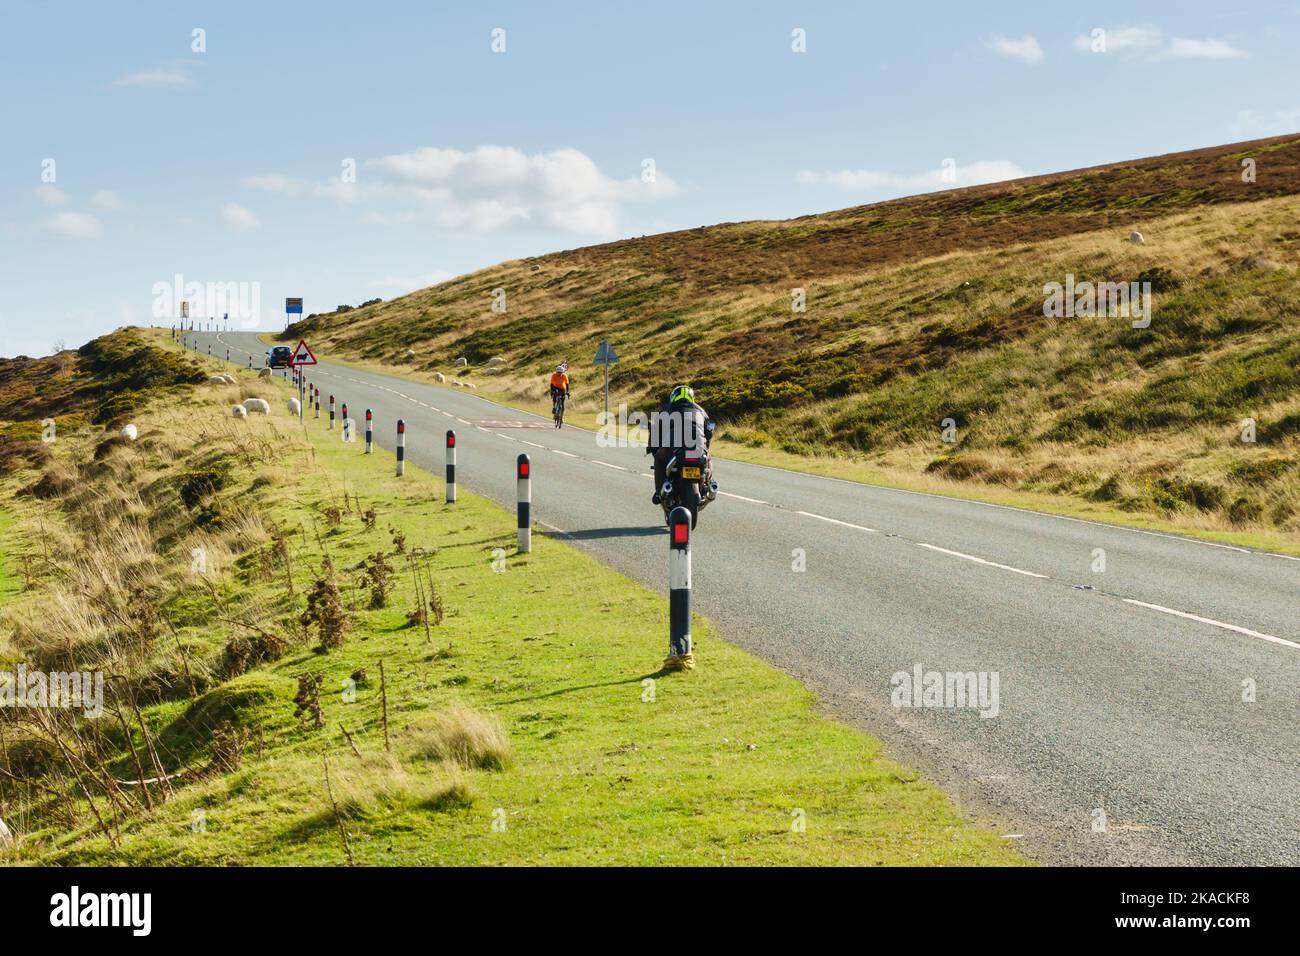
<point>689,471</point>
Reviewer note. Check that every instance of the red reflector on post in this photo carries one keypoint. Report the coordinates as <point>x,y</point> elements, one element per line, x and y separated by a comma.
<point>681,533</point>
<point>523,469</point>
<point>401,426</point>
<point>451,439</point>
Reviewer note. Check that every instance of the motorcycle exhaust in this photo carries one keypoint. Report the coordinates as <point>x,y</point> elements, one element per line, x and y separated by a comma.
<point>712,492</point>
<point>666,491</point>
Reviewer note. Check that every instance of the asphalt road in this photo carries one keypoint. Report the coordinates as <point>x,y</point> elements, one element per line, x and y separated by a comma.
<point>1121,735</point>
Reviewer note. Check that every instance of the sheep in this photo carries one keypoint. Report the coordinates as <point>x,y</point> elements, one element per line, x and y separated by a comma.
<point>496,360</point>
<point>462,362</point>
<point>257,405</point>
<point>457,383</point>
<point>238,411</point>
<point>470,385</point>
<point>264,372</point>
<point>439,377</point>
<point>295,408</point>
<point>129,432</point>
<point>230,379</point>
<point>217,380</point>
<point>1135,237</point>
<point>410,355</point>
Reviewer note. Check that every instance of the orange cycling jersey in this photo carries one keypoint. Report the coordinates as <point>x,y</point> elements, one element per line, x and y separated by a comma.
<point>560,380</point>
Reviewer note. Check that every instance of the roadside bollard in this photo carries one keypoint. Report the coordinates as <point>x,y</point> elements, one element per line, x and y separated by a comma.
<point>401,447</point>
<point>343,423</point>
<point>316,399</point>
<point>524,484</point>
<point>227,353</point>
<point>451,467</point>
<point>209,350</point>
<point>331,426</point>
<point>250,359</point>
<point>370,435</point>
<point>680,656</point>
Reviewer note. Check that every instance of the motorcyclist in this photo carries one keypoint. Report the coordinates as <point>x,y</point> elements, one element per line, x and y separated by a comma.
<point>680,425</point>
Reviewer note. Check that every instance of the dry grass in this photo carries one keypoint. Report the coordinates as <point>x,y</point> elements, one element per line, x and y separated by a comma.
<point>462,736</point>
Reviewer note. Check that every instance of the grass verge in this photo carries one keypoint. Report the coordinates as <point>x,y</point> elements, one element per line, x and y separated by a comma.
<point>528,726</point>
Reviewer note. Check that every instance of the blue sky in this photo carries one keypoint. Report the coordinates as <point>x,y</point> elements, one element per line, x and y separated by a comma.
<point>226,165</point>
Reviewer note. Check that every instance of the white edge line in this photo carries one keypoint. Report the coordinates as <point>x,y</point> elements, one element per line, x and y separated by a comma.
<point>1205,620</point>
<point>971,557</point>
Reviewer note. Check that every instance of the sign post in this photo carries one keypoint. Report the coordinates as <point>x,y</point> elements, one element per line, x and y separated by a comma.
<point>291,307</point>
<point>605,356</point>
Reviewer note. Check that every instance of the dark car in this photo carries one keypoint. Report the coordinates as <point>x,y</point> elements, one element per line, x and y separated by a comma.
<point>279,356</point>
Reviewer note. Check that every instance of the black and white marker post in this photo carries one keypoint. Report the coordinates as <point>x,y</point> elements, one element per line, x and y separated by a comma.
<point>315,392</point>
<point>370,434</point>
<point>451,467</point>
<point>679,591</point>
<point>401,447</point>
<point>524,482</point>
<point>343,423</point>
<point>331,426</point>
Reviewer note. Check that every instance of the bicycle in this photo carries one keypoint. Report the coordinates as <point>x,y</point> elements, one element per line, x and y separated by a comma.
<point>557,409</point>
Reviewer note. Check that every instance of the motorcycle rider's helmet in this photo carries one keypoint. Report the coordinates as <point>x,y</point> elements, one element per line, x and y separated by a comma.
<point>682,393</point>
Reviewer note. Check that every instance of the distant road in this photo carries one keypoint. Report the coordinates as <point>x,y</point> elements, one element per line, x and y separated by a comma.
<point>1120,692</point>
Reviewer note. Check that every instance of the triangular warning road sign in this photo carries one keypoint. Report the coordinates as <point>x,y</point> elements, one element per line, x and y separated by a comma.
<point>302,355</point>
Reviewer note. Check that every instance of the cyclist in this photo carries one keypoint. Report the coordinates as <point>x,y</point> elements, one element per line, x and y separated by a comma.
<point>559,387</point>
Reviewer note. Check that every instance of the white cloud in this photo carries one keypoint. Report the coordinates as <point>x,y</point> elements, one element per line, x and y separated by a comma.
<point>1026,48</point>
<point>1208,49</point>
<point>872,180</point>
<point>51,195</point>
<point>74,225</point>
<point>107,200</point>
<point>175,76</point>
<point>275,183</point>
<point>400,285</point>
<point>494,187</point>
<point>237,218</point>
<point>1150,42</point>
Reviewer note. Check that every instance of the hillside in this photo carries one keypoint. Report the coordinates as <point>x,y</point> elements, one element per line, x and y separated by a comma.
<point>932,308</point>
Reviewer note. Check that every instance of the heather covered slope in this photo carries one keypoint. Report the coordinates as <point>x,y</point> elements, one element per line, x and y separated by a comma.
<point>929,308</point>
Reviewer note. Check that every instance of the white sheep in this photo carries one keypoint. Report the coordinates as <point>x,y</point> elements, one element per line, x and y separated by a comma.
<point>129,432</point>
<point>439,377</point>
<point>410,355</point>
<point>295,408</point>
<point>238,411</point>
<point>462,362</point>
<point>470,385</point>
<point>1135,237</point>
<point>264,372</point>
<point>457,383</point>
<point>257,405</point>
<point>496,360</point>
<point>217,380</point>
<point>230,379</point>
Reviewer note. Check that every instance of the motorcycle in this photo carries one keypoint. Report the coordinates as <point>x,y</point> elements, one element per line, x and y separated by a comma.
<point>688,483</point>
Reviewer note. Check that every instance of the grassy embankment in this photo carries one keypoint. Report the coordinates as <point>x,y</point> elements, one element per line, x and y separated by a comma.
<point>924,309</point>
<point>527,705</point>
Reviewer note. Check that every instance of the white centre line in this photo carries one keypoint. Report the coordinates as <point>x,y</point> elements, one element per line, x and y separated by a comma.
<point>971,557</point>
<point>1205,620</point>
<point>605,464</point>
<point>532,444</point>
<point>564,453</point>
<point>809,514</point>
<point>728,494</point>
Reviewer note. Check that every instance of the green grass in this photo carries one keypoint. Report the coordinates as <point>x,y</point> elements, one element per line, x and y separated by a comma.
<point>559,649</point>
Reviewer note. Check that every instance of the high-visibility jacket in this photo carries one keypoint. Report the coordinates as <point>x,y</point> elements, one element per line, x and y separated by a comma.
<point>560,380</point>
